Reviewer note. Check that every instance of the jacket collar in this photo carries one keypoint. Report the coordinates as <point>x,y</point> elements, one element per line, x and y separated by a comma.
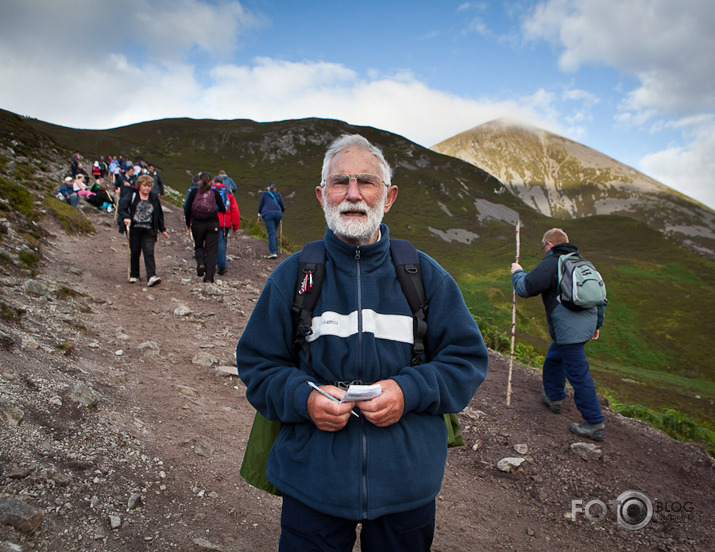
<point>373,252</point>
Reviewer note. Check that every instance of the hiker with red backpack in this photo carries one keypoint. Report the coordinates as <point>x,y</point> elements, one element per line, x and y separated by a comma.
<point>230,219</point>
<point>201,209</point>
<point>382,465</point>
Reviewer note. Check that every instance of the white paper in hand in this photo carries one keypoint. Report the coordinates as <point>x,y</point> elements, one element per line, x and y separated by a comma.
<point>362,392</point>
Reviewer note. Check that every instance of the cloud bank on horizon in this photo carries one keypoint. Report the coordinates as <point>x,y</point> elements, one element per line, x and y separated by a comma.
<point>634,79</point>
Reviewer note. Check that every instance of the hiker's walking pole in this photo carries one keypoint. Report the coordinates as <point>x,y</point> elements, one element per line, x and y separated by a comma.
<point>280,235</point>
<point>129,256</point>
<point>513,325</point>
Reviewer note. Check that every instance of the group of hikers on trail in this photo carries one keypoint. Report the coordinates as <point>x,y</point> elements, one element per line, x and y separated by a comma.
<point>210,210</point>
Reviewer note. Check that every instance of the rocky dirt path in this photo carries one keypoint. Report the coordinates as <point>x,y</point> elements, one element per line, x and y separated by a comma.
<point>153,465</point>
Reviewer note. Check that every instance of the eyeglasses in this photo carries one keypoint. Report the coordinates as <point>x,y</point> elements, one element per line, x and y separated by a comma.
<point>340,182</point>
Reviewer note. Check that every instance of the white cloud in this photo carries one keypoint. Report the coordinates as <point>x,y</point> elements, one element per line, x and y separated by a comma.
<point>86,31</point>
<point>691,168</point>
<point>666,45</point>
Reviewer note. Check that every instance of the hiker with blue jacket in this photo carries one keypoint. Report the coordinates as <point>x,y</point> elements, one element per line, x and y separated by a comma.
<point>378,462</point>
<point>270,211</point>
<point>570,330</point>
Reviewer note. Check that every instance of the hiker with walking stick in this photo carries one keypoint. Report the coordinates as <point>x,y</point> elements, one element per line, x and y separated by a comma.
<point>570,329</point>
<point>143,218</point>
<point>270,211</point>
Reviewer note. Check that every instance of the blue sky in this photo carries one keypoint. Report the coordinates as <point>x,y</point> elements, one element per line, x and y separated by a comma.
<point>634,79</point>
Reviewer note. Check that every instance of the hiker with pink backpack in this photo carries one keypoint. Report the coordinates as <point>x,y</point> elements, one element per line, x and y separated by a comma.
<point>201,213</point>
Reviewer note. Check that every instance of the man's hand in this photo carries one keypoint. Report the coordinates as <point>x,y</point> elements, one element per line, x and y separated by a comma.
<point>386,409</point>
<point>329,415</point>
<point>595,335</point>
<point>515,267</point>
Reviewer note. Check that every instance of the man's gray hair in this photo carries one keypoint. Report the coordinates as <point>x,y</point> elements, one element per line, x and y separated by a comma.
<point>355,141</point>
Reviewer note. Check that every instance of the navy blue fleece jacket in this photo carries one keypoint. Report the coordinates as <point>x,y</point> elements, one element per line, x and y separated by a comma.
<point>362,328</point>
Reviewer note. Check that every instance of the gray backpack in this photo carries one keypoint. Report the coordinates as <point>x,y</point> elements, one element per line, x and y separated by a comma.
<point>580,284</point>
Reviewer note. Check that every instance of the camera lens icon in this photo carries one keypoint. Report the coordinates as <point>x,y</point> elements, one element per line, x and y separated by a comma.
<point>634,510</point>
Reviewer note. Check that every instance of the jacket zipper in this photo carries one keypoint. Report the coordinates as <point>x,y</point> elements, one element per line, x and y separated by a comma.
<point>362,422</point>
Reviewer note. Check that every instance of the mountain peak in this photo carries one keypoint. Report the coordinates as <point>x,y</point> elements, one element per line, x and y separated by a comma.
<point>562,178</point>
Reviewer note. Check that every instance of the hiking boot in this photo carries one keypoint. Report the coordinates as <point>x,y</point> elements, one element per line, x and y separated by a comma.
<point>597,432</point>
<point>271,256</point>
<point>200,270</point>
<point>133,280</point>
<point>221,271</point>
<point>153,281</point>
<point>554,406</point>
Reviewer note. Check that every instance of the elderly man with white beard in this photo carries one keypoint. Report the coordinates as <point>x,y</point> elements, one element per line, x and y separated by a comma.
<point>377,462</point>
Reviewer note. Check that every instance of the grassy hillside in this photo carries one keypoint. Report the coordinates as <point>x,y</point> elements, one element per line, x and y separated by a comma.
<point>656,345</point>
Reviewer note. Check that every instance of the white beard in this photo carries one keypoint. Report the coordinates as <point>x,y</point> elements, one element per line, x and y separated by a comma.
<point>358,228</point>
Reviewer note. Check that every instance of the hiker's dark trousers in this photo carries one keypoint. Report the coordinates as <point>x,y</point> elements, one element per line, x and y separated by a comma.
<point>141,242</point>
<point>304,529</point>
<point>568,361</point>
<point>205,234</point>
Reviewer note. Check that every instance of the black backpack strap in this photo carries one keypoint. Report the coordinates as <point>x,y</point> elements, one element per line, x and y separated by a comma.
<point>407,267</point>
<point>311,273</point>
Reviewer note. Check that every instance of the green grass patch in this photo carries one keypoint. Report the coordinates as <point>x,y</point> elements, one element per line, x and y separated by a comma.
<point>29,259</point>
<point>672,422</point>
<point>256,229</point>
<point>65,292</point>
<point>500,341</point>
<point>19,198</point>
<point>67,347</point>
<point>72,220</point>
<point>10,314</point>
<point>24,172</point>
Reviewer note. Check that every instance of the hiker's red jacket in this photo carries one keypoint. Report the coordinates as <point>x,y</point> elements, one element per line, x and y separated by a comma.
<point>232,217</point>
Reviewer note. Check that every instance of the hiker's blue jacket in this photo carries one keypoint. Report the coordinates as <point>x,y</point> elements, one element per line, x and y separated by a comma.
<point>362,330</point>
<point>566,326</point>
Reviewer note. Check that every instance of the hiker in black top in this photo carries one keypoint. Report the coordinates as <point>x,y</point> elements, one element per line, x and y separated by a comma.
<point>270,211</point>
<point>158,186</point>
<point>204,227</point>
<point>74,164</point>
<point>141,212</point>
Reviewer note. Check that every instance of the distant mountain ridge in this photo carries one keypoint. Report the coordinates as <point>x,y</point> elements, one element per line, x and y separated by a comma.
<point>564,179</point>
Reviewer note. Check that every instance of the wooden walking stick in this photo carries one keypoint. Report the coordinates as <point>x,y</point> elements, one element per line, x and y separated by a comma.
<point>513,325</point>
<point>129,256</point>
<point>280,235</point>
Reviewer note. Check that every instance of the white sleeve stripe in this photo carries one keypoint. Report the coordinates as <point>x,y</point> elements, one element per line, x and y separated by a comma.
<point>393,327</point>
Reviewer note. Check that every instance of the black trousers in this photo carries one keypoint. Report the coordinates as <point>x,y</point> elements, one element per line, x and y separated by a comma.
<point>205,233</point>
<point>141,242</point>
<point>306,530</point>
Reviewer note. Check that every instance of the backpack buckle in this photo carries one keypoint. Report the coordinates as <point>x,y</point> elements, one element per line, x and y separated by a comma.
<point>307,284</point>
